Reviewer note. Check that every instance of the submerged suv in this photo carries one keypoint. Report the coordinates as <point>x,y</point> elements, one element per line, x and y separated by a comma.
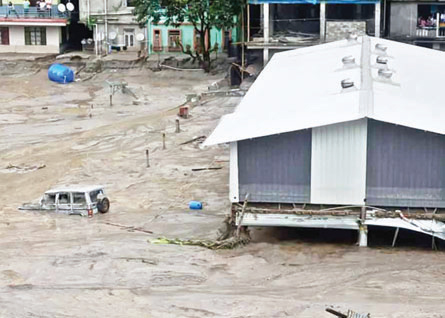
<point>79,200</point>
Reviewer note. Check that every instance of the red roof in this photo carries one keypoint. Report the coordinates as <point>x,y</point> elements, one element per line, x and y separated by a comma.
<point>33,20</point>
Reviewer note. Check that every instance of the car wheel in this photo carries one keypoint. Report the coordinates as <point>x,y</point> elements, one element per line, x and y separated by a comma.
<point>103,205</point>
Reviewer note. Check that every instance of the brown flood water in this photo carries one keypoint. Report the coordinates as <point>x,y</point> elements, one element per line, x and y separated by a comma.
<point>66,266</point>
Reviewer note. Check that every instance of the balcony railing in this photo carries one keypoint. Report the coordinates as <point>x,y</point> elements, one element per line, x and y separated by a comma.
<point>32,13</point>
<point>434,31</point>
<point>430,32</point>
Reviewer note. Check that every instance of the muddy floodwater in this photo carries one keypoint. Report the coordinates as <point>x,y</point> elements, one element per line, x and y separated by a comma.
<point>54,265</point>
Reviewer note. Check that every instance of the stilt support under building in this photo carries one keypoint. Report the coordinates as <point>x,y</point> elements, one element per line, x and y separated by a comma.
<point>363,235</point>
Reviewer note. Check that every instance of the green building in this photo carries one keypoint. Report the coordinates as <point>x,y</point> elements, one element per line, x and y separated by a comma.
<point>164,39</point>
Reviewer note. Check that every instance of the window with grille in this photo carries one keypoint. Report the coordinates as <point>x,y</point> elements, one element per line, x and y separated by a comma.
<point>4,36</point>
<point>174,36</point>
<point>35,36</point>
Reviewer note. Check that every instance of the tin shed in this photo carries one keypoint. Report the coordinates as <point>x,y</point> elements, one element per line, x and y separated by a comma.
<point>353,122</point>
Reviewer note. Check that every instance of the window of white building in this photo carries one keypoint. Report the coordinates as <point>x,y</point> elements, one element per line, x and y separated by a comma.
<point>35,36</point>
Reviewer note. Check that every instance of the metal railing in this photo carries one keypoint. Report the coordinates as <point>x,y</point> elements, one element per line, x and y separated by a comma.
<point>435,31</point>
<point>288,31</point>
<point>31,13</point>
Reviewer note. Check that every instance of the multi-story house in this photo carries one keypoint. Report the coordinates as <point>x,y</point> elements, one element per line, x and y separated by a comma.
<point>114,25</point>
<point>276,25</point>
<point>37,29</point>
<point>418,22</point>
<point>164,39</point>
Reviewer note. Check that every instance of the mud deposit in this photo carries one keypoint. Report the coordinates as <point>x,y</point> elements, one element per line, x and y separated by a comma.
<point>67,266</point>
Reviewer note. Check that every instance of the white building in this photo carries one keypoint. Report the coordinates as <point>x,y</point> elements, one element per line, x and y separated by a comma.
<point>113,23</point>
<point>34,32</point>
<point>348,123</point>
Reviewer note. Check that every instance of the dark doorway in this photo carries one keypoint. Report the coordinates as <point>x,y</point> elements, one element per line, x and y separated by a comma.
<point>75,31</point>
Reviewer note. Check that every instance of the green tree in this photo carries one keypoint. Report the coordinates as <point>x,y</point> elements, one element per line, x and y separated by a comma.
<point>202,14</point>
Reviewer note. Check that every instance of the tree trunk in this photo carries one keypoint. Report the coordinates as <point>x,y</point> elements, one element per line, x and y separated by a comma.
<point>206,50</point>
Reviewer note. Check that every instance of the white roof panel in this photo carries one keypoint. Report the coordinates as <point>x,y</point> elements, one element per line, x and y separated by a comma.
<point>76,188</point>
<point>301,89</point>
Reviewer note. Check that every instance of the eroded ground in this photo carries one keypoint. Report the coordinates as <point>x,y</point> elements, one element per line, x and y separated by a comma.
<point>67,266</point>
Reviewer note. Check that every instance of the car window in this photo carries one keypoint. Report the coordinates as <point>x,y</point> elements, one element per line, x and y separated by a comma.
<point>79,198</point>
<point>64,198</point>
<point>94,194</point>
<point>49,199</point>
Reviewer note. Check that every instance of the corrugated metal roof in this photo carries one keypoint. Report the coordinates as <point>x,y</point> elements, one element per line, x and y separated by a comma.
<point>301,89</point>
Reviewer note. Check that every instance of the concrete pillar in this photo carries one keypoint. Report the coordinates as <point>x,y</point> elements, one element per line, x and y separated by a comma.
<point>322,21</point>
<point>265,56</point>
<point>377,15</point>
<point>272,9</point>
<point>363,235</point>
<point>266,22</point>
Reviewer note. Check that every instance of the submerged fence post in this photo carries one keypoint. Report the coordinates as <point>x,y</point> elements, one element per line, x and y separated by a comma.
<point>178,129</point>
<point>163,141</point>
<point>147,157</point>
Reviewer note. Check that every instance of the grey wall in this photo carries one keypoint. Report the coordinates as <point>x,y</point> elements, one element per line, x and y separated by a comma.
<point>403,19</point>
<point>276,168</point>
<point>405,167</point>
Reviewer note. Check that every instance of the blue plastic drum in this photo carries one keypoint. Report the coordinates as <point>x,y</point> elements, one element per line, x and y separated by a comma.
<point>195,205</point>
<point>60,73</point>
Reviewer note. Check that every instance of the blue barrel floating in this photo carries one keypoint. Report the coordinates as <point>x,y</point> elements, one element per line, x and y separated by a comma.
<point>60,73</point>
<point>195,205</point>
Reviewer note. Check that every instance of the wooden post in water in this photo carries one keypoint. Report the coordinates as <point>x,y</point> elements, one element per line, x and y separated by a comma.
<point>163,141</point>
<point>148,158</point>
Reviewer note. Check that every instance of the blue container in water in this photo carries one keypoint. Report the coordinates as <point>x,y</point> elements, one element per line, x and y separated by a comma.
<point>195,205</point>
<point>60,73</point>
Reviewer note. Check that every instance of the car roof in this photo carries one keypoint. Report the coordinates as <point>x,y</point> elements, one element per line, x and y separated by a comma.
<point>76,188</point>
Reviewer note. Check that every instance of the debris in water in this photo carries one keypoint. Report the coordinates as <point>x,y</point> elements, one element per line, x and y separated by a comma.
<point>23,168</point>
<point>199,139</point>
<point>208,168</point>
<point>210,244</point>
<point>350,314</point>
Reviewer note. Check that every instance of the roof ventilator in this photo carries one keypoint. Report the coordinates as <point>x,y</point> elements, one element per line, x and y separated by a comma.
<point>352,37</point>
<point>381,47</point>
<point>347,83</point>
<point>348,60</point>
<point>386,74</point>
<point>381,60</point>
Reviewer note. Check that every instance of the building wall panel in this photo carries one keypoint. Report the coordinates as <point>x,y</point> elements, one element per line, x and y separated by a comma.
<point>17,41</point>
<point>275,168</point>
<point>406,167</point>
<point>338,173</point>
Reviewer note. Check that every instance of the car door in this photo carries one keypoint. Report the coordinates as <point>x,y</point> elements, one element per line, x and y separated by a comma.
<point>64,202</point>
<point>80,204</point>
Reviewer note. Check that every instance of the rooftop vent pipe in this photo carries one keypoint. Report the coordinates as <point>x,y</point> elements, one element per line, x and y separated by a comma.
<point>380,47</point>
<point>381,60</point>
<point>385,73</point>
<point>347,83</point>
<point>352,37</point>
<point>348,60</point>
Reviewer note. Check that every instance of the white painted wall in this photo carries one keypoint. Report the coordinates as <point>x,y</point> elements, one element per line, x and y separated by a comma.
<point>234,176</point>
<point>17,41</point>
<point>338,171</point>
